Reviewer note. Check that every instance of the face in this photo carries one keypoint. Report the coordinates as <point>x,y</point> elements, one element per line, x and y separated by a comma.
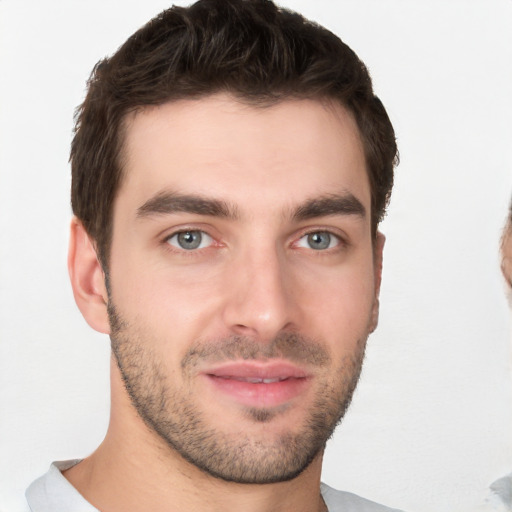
<point>242,281</point>
<point>506,252</point>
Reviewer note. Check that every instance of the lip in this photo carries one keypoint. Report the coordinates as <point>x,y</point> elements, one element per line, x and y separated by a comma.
<point>258,384</point>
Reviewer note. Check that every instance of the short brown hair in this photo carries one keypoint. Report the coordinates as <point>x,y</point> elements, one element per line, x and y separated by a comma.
<point>252,49</point>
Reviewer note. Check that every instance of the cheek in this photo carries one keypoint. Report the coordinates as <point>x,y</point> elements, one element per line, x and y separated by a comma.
<point>170,302</point>
<point>341,305</point>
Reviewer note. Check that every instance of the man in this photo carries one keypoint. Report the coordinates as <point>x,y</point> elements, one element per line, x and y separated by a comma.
<point>506,250</point>
<point>230,167</point>
<point>499,498</point>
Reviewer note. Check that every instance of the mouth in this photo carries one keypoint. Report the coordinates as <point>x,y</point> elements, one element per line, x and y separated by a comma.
<point>258,384</point>
<point>254,380</point>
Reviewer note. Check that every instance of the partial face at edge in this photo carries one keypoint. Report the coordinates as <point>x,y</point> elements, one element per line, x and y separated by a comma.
<point>506,252</point>
<point>243,280</point>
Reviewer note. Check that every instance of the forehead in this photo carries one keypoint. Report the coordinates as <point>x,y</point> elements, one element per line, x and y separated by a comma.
<point>218,146</point>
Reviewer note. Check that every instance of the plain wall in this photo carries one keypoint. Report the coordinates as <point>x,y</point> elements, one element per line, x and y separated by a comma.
<point>430,426</point>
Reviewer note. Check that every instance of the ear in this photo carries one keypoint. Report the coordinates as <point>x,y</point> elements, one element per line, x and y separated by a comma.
<point>378,249</point>
<point>87,278</point>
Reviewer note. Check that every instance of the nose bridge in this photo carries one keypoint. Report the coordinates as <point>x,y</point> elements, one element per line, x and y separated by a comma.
<point>260,302</point>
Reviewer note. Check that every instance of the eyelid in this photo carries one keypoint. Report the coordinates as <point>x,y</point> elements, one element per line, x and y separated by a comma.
<point>334,240</point>
<point>177,230</point>
<point>340,237</point>
<point>206,239</point>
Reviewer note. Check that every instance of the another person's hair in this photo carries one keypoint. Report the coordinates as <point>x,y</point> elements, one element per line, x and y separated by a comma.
<point>506,249</point>
<point>252,49</point>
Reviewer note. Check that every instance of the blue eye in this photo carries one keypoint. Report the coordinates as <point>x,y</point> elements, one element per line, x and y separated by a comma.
<point>319,241</point>
<point>190,240</point>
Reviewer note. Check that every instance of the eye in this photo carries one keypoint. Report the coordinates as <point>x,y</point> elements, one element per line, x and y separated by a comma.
<point>190,240</point>
<point>319,241</point>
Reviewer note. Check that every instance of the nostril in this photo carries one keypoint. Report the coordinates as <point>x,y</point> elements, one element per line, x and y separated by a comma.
<point>244,330</point>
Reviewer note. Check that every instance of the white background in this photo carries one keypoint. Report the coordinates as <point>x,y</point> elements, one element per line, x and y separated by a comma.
<point>431,422</point>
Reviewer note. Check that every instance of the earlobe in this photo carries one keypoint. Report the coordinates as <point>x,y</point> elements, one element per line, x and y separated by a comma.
<point>87,278</point>
<point>378,252</point>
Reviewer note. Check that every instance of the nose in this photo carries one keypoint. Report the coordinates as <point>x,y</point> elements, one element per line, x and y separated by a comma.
<point>260,299</point>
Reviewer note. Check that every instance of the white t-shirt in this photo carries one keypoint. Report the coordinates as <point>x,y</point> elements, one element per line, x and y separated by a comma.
<point>53,493</point>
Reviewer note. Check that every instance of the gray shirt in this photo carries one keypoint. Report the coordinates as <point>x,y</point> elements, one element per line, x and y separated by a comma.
<point>53,493</point>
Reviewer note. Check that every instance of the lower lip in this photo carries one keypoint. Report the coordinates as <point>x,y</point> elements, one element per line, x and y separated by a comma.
<point>251,394</point>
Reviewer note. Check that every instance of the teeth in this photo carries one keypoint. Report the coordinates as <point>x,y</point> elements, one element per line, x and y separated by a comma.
<point>257,380</point>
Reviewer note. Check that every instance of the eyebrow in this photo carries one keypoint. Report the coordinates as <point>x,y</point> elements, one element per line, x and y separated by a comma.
<point>173,202</point>
<point>333,204</point>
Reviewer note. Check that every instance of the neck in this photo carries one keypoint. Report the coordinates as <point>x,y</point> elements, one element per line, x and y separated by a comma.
<point>134,470</point>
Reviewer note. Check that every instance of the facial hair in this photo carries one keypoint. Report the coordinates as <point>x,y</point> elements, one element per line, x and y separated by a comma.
<point>173,413</point>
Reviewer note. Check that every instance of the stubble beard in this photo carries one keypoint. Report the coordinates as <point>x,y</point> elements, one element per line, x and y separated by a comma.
<point>173,414</point>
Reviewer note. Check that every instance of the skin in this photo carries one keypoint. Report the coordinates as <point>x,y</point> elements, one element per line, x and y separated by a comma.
<point>506,252</point>
<point>255,278</point>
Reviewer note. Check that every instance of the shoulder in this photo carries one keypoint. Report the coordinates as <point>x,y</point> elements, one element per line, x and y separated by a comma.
<point>53,493</point>
<point>499,498</point>
<point>341,501</point>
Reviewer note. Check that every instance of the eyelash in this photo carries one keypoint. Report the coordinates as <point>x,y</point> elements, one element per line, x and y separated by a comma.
<point>341,242</point>
<point>192,251</point>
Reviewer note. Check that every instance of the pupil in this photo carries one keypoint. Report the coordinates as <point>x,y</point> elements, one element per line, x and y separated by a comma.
<point>319,240</point>
<point>189,239</point>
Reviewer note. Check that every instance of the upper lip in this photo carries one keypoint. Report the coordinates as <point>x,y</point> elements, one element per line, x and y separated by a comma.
<point>257,371</point>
